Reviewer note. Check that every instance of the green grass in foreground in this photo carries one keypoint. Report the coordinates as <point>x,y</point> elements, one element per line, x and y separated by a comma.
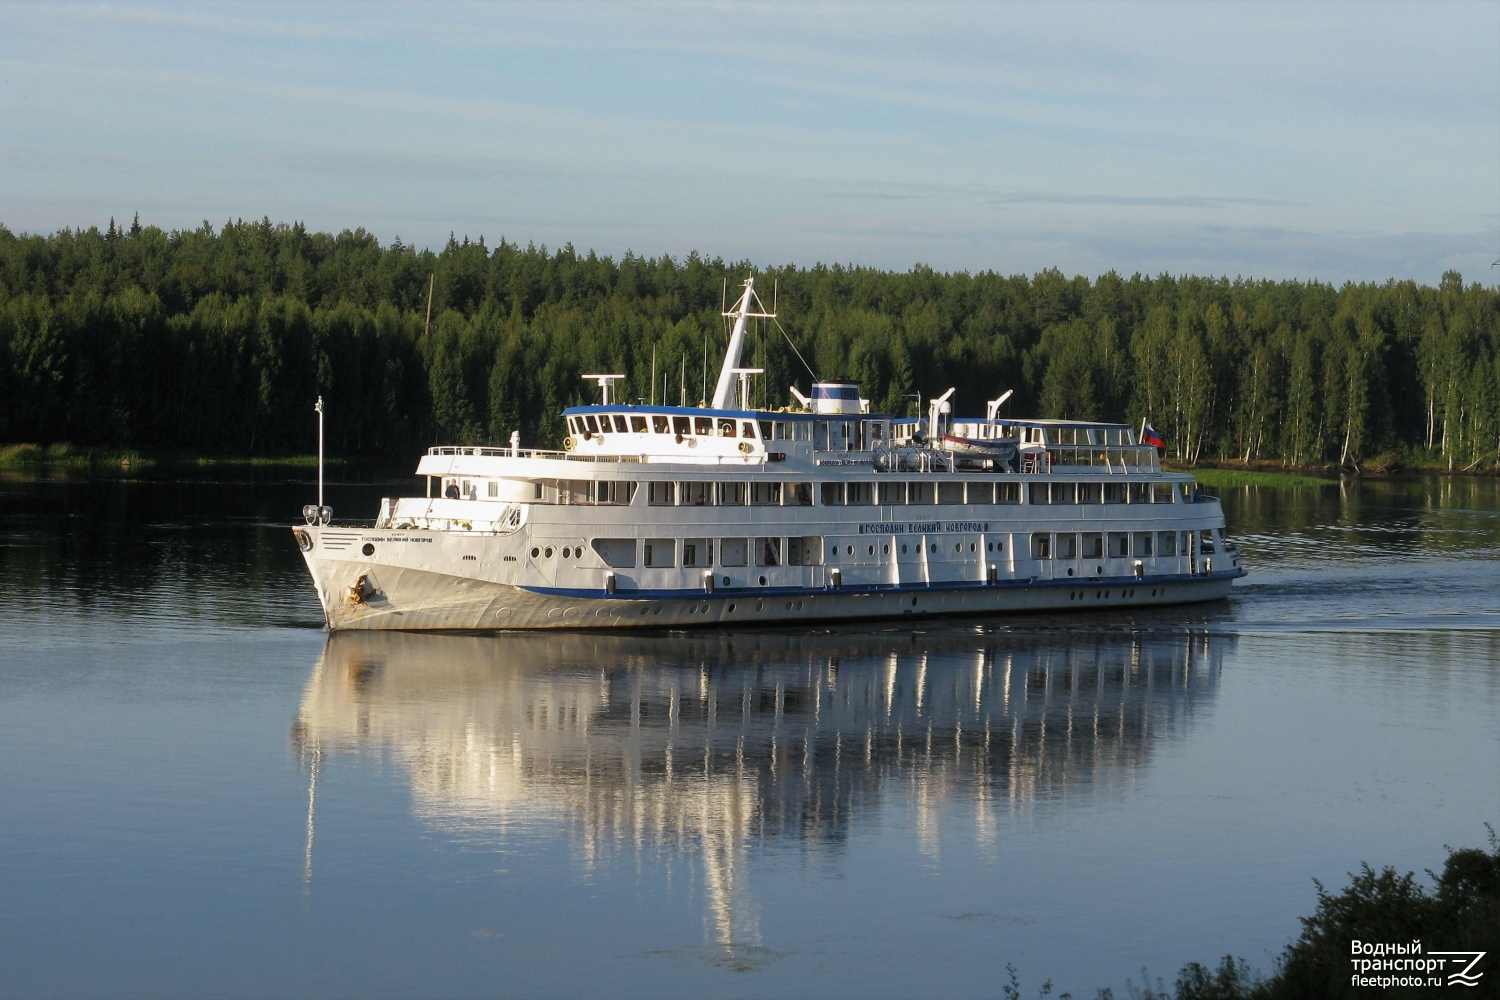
<point>64,455</point>
<point>1223,478</point>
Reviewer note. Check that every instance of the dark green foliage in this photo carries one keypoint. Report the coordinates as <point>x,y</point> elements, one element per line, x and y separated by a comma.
<point>221,339</point>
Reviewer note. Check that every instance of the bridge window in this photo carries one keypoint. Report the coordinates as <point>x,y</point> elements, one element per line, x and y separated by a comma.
<point>620,424</point>
<point>768,552</point>
<point>731,494</point>
<point>703,425</point>
<point>1166,543</point>
<point>1093,546</point>
<point>747,428</point>
<point>805,551</point>
<point>1142,544</point>
<point>1067,546</point>
<point>1041,546</point>
<point>1119,544</point>
<point>590,424</point>
<point>833,494</point>
<point>950,492</point>
<point>981,493</point>
<point>919,493</point>
<point>682,425</point>
<point>1090,493</point>
<point>859,493</point>
<point>1007,492</point>
<point>638,424</point>
<point>726,428</point>
<point>893,493</point>
<point>660,424</point>
<point>659,494</point>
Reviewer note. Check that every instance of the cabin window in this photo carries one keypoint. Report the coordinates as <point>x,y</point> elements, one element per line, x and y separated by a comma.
<point>820,436</point>
<point>833,494</point>
<point>618,492</point>
<point>659,552</point>
<point>765,430</point>
<point>768,552</point>
<point>620,424</point>
<point>1140,492</point>
<point>1093,546</point>
<point>858,493</point>
<point>805,551</point>
<point>638,425</point>
<point>1090,493</point>
<point>703,425</point>
<point>919,493</point>
<point>1206,542</point>
<point>1119,544</point>
<point>660,424</point>
<point>682,425</point>
<point>762,494</point>
<point>731,494</point>
<point>981,493</point>
<point>893,493</point>
<point>694,494</point>
<point>802,431</point>
<point>1187,492</point>
<point>1114,492</point>
<point>1067,546</point>
<point>1142,544</point>
<point>747,428</point>
<point>575,491</point>
<point>1041,546</point>
<point>1038,493</point>
<point>697,552</point>
<point>1007,492</point>
<point>1162,492</point>
<point>1166,543</point>
<point>733,551</point>
<point>726,428</point>
<point>618,553</point>
<point>590,424</point>
<point>798,495</point>
<point>573,426</point>
<point>493,489</point>
<point>659,494</point>
<point>1064,492</point>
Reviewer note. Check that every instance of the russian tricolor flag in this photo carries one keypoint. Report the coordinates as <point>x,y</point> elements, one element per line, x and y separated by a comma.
<point>1149,436</point>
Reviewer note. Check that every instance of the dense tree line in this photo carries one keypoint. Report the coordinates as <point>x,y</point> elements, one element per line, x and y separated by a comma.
<point>219,340</point>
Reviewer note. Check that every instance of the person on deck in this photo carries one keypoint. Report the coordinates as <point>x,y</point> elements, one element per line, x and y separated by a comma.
<point>452,491</point>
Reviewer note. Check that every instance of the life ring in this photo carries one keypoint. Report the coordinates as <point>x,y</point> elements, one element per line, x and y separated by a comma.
<point>569,444</point>
<point>746,447</point>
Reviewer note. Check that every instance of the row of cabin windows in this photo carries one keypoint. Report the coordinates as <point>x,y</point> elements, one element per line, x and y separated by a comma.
<point>807,550</point>
<point>1118,544</point>
<point>660,423</point>
<point>658,553</point>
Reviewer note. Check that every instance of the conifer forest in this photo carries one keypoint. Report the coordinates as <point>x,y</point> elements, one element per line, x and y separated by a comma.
<point>219,341</point>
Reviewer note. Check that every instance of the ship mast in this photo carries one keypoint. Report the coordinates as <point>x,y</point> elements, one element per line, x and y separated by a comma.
<point>724,388</point>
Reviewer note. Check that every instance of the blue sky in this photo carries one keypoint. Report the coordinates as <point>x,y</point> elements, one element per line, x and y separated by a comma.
<point>1332,141</point>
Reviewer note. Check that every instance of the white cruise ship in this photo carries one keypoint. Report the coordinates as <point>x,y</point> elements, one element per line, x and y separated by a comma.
<point>663,516</point>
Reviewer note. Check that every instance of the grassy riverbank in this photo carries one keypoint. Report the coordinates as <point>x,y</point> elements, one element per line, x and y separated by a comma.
<point>66,456</point>
<point>1226,478</point>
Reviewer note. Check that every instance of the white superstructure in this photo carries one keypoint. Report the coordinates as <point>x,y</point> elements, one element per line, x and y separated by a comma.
<point>657,516</point>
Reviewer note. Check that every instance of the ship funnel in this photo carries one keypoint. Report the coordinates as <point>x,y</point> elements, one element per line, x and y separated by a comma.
<point>838,396</point>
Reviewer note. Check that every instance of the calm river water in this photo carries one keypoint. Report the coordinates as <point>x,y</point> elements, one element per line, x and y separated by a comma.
<point>201,794</point>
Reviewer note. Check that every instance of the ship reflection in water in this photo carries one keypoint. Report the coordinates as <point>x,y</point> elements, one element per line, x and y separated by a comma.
<point>712,746</point>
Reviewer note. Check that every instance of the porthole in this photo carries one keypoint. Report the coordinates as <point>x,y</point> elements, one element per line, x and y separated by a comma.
<point>368,550</point>
<point>903,550</point>
<point>1070,571</point>
<point>971,547</point>
<point>885,550</point>
<point>567,552</point>
<point>833,550</point>
<point>547,552</point>
<point>989,546</point>
<point>726,581</point>
<point>644,611</point>
<point>913,602</point>
<point>789,605</point>
<point>799,605</point>
<point>850,550</point>
<point>656,611</point>
<point>933,548</point>
<point>958,546</point>
<point>762,582</point>
<point>759,605</point>
<point>871,551</point>
<point>535,552</point>
<point>731,609</point>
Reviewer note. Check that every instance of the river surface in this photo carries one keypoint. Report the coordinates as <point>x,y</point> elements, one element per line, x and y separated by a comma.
<point>202,794</point>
